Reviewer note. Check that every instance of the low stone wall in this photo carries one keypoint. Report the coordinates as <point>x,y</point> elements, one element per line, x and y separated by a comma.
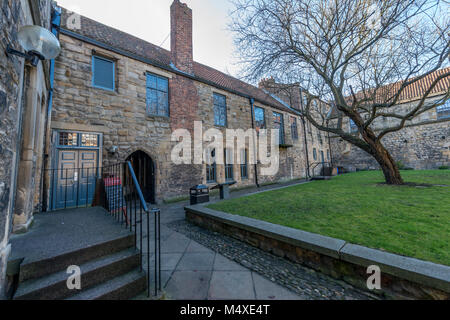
<point>401,277</point>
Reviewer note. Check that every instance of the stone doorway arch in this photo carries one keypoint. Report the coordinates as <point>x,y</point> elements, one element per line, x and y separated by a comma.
<point>144,168</point>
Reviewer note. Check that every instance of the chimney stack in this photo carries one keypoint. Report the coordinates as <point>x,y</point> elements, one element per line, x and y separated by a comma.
<point>181,36</point>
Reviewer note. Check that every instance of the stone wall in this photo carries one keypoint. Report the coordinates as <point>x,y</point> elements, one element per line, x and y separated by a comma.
<point>423,143</point>
<point>401,277</point>
<point>14,99</point>
<point>122,119</point>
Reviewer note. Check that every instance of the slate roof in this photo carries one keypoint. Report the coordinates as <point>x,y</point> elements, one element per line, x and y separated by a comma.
<point>161,57</point>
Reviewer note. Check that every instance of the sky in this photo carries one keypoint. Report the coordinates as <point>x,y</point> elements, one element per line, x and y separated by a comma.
<point>150,21</point>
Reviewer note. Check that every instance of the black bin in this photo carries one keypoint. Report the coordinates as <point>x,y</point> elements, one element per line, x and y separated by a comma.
<point>199,194</point>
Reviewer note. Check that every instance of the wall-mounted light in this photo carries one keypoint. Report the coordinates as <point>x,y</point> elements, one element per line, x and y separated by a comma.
<point>38,43</point>
<point>114,149</point>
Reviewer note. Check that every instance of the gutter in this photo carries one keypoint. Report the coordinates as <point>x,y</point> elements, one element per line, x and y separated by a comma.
<point>252,107</point>
<point>55,29</point>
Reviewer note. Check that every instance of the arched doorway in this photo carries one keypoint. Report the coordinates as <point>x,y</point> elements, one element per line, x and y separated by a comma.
<point>144,169</point>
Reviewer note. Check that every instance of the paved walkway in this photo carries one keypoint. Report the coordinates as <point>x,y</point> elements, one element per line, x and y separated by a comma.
<point>191,271</point>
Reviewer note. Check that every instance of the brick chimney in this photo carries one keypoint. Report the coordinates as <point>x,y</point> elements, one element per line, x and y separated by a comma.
<point>181,36</point>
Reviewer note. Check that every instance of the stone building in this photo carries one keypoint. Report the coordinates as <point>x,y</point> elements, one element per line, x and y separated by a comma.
<point>119,98</point>
<point>24,93</point>
<point>424,142</point>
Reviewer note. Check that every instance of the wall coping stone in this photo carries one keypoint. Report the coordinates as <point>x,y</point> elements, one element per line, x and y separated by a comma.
<point>415,270</point>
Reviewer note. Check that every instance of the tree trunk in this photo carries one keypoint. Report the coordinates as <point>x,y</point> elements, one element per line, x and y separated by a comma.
<point>387,164</point>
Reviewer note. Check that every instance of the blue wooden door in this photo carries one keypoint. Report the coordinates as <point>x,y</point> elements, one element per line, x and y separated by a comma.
<point>75,178</point>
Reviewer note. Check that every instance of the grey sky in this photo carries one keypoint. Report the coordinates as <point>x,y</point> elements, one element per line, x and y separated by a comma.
<point>150,20</point>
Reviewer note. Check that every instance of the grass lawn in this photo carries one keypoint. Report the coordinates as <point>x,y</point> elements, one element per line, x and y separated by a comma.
<point>411,221</point>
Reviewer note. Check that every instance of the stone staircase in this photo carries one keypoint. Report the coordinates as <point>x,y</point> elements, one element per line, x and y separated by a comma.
<point>110,265</point>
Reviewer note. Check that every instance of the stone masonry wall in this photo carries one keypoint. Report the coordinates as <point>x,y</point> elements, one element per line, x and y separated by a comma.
<point>121,117</point>
<point>13,15</point>
<point>422,144</point>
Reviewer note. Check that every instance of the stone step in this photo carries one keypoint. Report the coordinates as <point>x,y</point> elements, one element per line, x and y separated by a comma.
<point>60,262</point>
<point>123,287</point>
<point>54,286</point>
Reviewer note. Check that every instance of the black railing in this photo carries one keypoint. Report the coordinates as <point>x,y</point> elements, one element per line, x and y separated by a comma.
<point>116,188</point>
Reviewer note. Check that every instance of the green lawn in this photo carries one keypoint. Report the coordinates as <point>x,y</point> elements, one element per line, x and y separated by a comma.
<point>406,220</point>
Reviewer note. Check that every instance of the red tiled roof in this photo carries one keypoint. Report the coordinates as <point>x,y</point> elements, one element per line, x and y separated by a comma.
<point>120,40</point>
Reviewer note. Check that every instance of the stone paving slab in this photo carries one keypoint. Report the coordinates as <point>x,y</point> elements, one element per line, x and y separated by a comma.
<point>188,285</point>
<point>196,262</point>
<point>231,285</point>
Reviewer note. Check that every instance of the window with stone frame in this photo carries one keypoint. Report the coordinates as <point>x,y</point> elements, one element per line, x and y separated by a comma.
<point>157,95</point>
<point>294,128</point>
<point>103,73</point>
<point>244,164</point>
<point>228,161</point>
<point>211,167</point>
<point>353,126</point>
<point>315,154</point>
<point>220,110</point>
<point>260,119</point>
<point>443,111</point>
<point>278,123</point>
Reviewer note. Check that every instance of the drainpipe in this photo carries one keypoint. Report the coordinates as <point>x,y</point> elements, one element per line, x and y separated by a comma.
<point>252,105</point>
<point>55,28</point>
<point>304,133</point>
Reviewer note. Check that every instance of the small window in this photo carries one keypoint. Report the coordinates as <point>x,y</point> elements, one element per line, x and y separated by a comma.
<point>328,155</point>
<point>278,123</point>
<point>103,73</point>
<point>244,164</point>
<point>319,136</point>
<point>211,166</point>
<point>89,140</point>
<point>157,95</point>
<point>322,156</point>
<point>294,128</point>
<point>443,111</point>
<point>68,139</point>
<point>315,154</point>
<point>260,119</point>
<point>353,127</point>
<point>220,110</point>
<point>228,160</point>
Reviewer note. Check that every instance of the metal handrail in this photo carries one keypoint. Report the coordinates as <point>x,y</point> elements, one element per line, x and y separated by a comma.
<point>138,188</point>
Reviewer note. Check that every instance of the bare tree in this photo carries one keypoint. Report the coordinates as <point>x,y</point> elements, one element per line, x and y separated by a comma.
<point>347,52</point>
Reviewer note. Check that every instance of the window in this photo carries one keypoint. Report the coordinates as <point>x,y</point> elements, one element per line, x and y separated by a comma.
<point>211,166</point>
<point>443,111</point>
<point>315,154</point>
<point>308,124</point>
<point>353,127</point>
<point>89,140</point>
<point>157,95</point>
<point>260,119</point>
<point>228,161</point>
<point>319,136</point>
<point>244,164</point>
<point>103,73</point>
<point>322,156</point>
<point>328,155</point>
<point>68,139</point>
<point>75,139</point>
<point>278,123</point>
<point>220,110</point>
<point>294,130</point>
